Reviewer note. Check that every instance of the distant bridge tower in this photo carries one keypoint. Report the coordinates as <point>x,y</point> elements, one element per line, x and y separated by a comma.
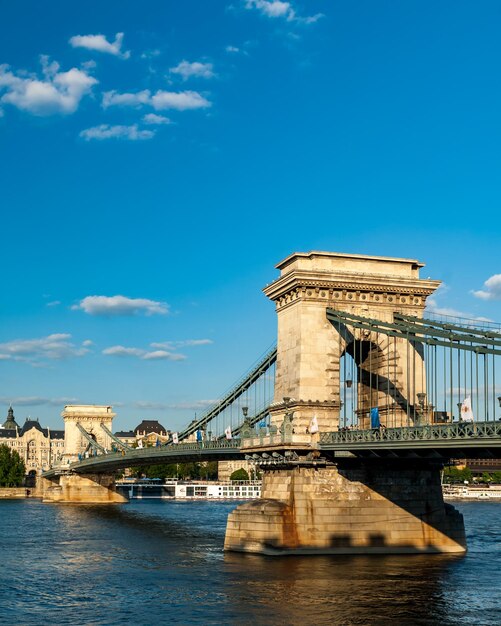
<point>310,348</point>
<point>89,417</point>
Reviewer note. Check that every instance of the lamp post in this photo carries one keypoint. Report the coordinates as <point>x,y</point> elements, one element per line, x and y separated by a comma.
<point>460,404</point>
<point>421,396</point>
<point>499,400</point>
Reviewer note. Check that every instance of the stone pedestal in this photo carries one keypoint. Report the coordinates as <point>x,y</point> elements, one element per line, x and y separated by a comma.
<point>357,509</point>
<point>83,489</point>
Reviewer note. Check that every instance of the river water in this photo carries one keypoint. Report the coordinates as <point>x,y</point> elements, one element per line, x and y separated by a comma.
<point>154,563</point>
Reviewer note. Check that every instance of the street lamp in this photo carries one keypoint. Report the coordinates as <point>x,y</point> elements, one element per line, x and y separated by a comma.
<point>348,382</point>
<point>245,411</point>
<point>421,396</point>
<point>460,404</point>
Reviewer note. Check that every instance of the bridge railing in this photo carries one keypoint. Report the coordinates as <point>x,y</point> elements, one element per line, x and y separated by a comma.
<point>429,432</point>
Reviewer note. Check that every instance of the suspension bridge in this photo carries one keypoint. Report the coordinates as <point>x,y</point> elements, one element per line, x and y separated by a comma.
<point>350,417</point>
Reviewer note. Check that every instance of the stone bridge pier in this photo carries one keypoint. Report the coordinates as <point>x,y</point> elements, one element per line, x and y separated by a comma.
<point>313,504</point>
<point>68,486</point>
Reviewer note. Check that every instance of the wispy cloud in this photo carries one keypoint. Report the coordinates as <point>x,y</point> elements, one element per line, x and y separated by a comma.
<point>232,49</point>
<point>105,131</point>
<point>120,305</point>
<point>53,303</point>
<point>195,69</point>
<point>56,93</point>
<point>432,306</point>
<point>192,406</point>
<point>160,100</point>
<point>280,9</point>
<point>184,343</point>
<point>492,289</point>
<point>144,355</point>
<point>99,43</point>
<point>36,401</point>
<point>54,347</point>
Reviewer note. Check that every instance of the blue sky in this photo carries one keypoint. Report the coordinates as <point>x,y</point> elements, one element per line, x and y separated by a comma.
<point>159,158</point>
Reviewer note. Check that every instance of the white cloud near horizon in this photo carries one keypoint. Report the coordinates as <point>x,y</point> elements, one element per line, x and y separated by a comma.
<point>99,43</point>
<point>120,305</point>
<point>195,69</point>
<point>36,401</point>
<point>56,93</point>
<point>492,289</point>
<point>280,9</point>
<point>105,131</point>
<point>54,347</point>
<point>160,100</point>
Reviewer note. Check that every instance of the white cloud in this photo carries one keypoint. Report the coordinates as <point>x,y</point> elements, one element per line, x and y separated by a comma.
<point>105,131</point>
<point>53,303</point>
<point>196,69</point>
<point>156,120</point>
<point>120,305</point>
<point>433,307</point>
<point>232,49</point>
<point>181,101</point>
<point>136,100</point>
<point>150,406</point>
<point>56,346</point>
<point>163,354</point>
<point>172,345</point>
<point>57,93</point>
<point>279,9</point>
<point>123,351</point>
<point>144,355</point>
<point>492,289</point>
<point>99,43</point>
<point>192,406</point>
<point>150,54</point>
<point>36,401</point>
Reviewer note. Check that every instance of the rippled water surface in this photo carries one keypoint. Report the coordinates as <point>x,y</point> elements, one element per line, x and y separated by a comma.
<point>153,562</point>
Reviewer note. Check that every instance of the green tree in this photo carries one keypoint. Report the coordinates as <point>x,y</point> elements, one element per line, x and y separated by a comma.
<point>496,476</point>
<point>239,474</point>
<point>456,475</point>
<point>12,469</point>
<point>486,478</point>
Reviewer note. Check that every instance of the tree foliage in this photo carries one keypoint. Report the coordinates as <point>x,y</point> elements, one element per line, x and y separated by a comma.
<point>185,471</point>
<point>456,475</point>
<point>12,469</point>
<point>239,474</point>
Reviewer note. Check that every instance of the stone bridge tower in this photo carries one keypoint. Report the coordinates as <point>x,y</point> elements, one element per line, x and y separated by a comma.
<point>310,348</point>
<point>90,417</point>
<point>313,502</point>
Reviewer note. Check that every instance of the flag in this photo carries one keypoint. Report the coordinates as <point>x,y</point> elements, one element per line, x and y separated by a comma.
<point>314,425</point>
<point>227,432</point>
<point>466,410</point>
<point>199,435</point>
<point>175,438</point>
<point>140,443</point>
<point>262,424</point>
<point>375,418</point>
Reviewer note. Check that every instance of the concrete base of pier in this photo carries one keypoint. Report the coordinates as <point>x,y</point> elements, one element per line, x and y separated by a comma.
<point>82,489</point>
<point>364,508</point>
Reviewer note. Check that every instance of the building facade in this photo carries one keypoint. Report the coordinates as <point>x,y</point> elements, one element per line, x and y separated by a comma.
<point>38,447</point>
